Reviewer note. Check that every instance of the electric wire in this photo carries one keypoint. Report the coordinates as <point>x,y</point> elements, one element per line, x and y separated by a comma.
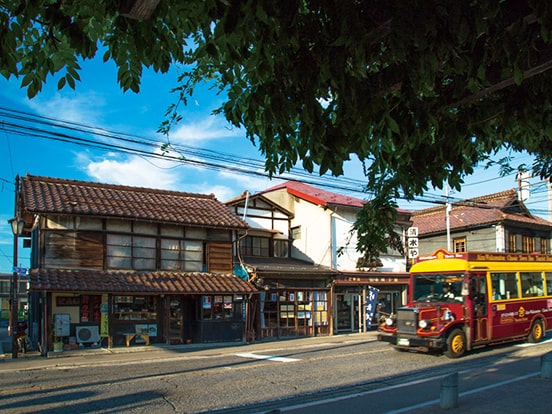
<point>198,157</point>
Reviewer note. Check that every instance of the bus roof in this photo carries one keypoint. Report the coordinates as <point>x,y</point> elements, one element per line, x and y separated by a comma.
<point>444,260</point>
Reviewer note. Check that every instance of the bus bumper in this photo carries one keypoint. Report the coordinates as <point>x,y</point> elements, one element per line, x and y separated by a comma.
<point>412,342</point>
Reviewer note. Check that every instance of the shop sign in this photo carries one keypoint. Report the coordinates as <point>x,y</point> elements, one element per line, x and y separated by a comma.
<point>68,301</point>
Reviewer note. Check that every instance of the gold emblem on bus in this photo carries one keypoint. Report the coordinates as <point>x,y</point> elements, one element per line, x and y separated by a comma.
<point>521,312</point>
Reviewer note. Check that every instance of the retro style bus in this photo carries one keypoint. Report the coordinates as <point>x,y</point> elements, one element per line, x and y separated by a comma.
<point>460,301</point>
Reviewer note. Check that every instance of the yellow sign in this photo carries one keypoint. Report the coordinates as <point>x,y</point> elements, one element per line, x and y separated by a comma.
<point>104,317</point>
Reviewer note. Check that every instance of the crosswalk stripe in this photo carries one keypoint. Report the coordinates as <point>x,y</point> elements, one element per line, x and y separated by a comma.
<point>267,357</point>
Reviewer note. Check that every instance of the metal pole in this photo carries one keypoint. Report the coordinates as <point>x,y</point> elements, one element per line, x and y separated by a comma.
<point>13,288</point>
<point>448,209</point>
<point>13,300</point>
<point>449,391</point>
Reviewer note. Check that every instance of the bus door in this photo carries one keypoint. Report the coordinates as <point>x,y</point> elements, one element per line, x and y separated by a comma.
<point>479,308</point>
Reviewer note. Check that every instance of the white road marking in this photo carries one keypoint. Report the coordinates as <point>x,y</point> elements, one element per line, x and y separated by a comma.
<point>526,344</point>
<point>267,357</point>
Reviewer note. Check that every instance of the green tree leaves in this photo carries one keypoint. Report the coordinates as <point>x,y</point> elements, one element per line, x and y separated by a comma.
<point>419,92</point>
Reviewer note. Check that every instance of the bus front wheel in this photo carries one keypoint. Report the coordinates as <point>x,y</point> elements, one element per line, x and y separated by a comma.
<point>537,332</point>
<point>456,344</point>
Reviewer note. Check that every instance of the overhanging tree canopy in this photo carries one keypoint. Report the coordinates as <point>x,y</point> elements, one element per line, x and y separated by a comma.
<point>420,91</point>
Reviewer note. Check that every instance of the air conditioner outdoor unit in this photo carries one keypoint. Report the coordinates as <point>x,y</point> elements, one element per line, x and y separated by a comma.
<point>88,334</point>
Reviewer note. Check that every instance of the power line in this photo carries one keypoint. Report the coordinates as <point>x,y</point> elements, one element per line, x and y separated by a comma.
<point>66,131</point>
<point>49,128</point>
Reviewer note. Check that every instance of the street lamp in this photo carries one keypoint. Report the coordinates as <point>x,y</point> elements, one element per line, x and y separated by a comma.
<point>17,225</point>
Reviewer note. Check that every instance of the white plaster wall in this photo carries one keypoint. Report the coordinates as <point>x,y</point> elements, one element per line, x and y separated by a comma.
<point>500,238</point>
<point>324,231</point>
<point>315,231</point>
<point>343,220</point>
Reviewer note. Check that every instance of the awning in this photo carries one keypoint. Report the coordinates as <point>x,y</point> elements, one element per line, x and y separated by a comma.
<point>90,281</point>
<point>372,278</point>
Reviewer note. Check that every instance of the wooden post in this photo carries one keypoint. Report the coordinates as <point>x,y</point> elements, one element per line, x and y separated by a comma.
<point>546,366</point>
<point>449,391</point>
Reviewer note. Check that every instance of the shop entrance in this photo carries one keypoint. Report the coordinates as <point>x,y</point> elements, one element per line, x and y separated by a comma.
<point>388,303</point>
<point>347,308</point>
<point>176,322</point>
<point>180,315</point>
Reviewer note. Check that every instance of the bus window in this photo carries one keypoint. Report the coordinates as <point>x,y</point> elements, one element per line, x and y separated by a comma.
<point>478,294</point>
<point>504,285</point>
<point>531,283</point>
<point>549,283</point>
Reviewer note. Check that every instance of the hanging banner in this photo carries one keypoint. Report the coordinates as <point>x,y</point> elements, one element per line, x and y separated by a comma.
<point>371,303</point>
<point>104,317</point>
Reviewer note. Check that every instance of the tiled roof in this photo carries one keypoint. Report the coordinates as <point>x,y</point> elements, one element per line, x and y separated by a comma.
<point>137,282</point>
<point>486,210</point>
<point>43,195</point>
<point>316,195</point>
<point>285,266</point>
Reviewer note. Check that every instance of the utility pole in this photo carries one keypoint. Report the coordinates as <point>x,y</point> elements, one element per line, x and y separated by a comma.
<point>448,209</point>
<point>549,192</point>
<point>523,185</point>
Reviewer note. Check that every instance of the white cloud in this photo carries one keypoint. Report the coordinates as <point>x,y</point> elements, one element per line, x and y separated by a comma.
<point>84,107</point>
<point>136,171</point>
<point>243,182</point>
<point>204,129</point>
<point>132,171</point>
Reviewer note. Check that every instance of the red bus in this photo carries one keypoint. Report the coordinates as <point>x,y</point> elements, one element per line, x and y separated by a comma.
<point>460,301</point>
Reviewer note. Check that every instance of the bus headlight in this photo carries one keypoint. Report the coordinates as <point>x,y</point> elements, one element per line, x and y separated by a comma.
<point>424,324</point>
<point>389,322</point>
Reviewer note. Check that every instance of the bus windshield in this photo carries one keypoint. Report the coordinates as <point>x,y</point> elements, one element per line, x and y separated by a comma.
<point>436,287</point>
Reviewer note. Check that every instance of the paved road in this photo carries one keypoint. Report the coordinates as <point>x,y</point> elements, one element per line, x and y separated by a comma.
<point>513,386</point>
<point>505,380</point>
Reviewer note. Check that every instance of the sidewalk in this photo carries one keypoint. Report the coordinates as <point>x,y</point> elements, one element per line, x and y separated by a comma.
<point>161,350</point>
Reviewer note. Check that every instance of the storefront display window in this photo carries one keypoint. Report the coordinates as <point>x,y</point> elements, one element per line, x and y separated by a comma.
<point>294,312</point>
<point>90,308</point>
<point>320,308</point>
<point>135,307</point>
<point>221,307</point>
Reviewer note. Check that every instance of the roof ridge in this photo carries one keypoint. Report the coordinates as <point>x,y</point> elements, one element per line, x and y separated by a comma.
<point>492,196</point>
<point>311,192</point>
<point>82,183</point>
<point>461,203</point>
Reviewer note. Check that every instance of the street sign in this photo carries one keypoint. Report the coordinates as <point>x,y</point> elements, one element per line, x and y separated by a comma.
<point>412,243</point>
<point>21,271</point>
<point>412,232</point>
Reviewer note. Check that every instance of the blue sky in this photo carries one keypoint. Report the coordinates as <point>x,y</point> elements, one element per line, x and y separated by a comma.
<point>98,102</point>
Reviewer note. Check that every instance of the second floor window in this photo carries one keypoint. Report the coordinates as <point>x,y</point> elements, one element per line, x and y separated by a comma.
<point>255,246</point>
<point>528,244</point>
<point>140,253</point>
<point>460,245</point>
<point>280,248</point>
<point>181,255</point>
<point>263,247</point>
<point>512,243</point>
<point>130,252</point>
<point>544,245</point>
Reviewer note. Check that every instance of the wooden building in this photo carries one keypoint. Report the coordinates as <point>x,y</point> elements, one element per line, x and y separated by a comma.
<point>112,264</point>
<point>498,222</point>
